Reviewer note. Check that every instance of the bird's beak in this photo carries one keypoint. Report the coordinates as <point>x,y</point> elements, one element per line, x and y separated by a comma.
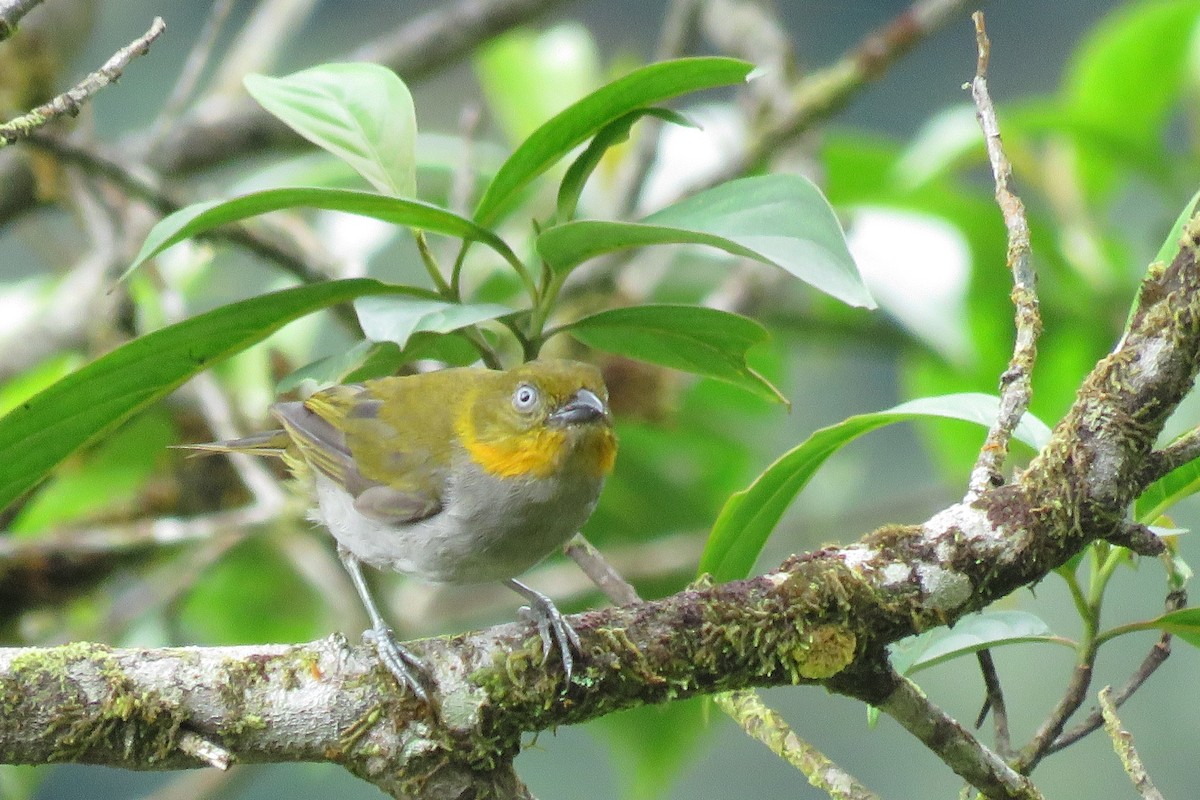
<point>585,406</point>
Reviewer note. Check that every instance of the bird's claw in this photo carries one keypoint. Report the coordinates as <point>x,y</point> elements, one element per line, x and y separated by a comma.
<point>552,627</point>
<point>407,668</point>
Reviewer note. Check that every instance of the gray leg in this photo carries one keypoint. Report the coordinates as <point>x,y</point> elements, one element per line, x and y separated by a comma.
<point>407,668</point>
<point>552,626</point>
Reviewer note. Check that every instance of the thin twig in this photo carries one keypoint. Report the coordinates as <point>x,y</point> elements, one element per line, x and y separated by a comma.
<point>1179,452</point>
<point>1068,704</point>
<point>68,103</point>
<point>1123,744</point>
<point>193,68</point>
<point>1153,660</point>
<point>11,12</point>
<point>677,29</point>
<point>994,703</point>
<point>954,744</point>
<point>764,724</point>
<point>261,40</point>
<point>205,750</point>
<point>139,181</point>
<point>590,560</point>
<point>1015,388</point>
<point>824,92</point>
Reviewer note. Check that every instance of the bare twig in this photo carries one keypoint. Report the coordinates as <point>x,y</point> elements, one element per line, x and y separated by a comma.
<point>589,559</point>
<point>994,703</point>
<point>1153,660</point>
<point>141,182</point>
<point>69,102</point>
<point>11,12</point>
<point>764,724</point>
<point>1179,452</point>
<point>822,93</point>
<point>1015,386</point>
<point>954,744</point>
<point>205,750</point>
<point>1123,744</point>
<point>677,29</point>
<point>258,45</point>
<point>193,68</point>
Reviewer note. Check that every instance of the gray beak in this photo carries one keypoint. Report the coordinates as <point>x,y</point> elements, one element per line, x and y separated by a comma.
<point>585,406</point>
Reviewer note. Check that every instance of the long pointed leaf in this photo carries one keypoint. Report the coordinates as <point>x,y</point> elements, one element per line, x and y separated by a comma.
<point>201,217</point>
<point>782,220</point>
<point>572,126</point>
<point>750,515</point>
<point>91,402</point>
<point>361,112</point>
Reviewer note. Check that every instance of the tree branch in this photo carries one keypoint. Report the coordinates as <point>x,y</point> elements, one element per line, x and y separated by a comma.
<point>823,617</point>
<point>69,102</point>
<point>11,12</point>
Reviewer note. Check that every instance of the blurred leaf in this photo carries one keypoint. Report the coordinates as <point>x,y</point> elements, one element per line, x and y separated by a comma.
<point>1181,482</point>
<point>107,479</point>
<point>90,403</point>
<point>252,596</point>
<point>28,383</point>
<point>782,220</point>
<point>750,515</point>
<point>972,633</point>
<point>361,112</point>
<point>610,135</point>
<point>21,781</point>
<point>395,319</point>
<point>529,76</point>
<point>202,217</point>
<point>1184,623</point>
<point>568,129</point>
<point>703,341</point>
<point>945,140</point>
<point>1127,76</point>
<point>651,744</point>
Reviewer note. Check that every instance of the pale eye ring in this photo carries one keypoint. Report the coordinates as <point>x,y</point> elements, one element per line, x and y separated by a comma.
<point>525,398</point>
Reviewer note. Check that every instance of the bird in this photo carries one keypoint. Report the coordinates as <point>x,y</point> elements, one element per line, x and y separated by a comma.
<point>463,475</point>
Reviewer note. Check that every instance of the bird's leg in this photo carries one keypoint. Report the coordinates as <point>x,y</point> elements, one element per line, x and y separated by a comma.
<point>407,668</point>
<point>552,626</point>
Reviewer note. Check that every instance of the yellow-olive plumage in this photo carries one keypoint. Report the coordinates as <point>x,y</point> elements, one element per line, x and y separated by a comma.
<point>459,476</point>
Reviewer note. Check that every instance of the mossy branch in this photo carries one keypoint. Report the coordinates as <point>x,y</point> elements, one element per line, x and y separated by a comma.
<point>823,617</point>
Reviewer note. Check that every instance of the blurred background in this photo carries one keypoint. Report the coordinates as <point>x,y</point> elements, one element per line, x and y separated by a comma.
<point>902,164</point>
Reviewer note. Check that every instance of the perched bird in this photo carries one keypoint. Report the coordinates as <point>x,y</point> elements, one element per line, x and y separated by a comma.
<point>465,475</point>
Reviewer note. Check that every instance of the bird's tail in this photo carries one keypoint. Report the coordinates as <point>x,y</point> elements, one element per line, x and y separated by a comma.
<point>267,443</point>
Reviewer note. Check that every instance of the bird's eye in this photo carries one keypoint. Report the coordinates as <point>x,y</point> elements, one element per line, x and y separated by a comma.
<point>525,397</point>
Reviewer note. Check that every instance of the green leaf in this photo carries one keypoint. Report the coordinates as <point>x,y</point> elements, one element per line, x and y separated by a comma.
<point>703,341</point>
<point>781,220</point>
<point>750,515</point>
<point>1184,623</point>
<point>1170,246</point>
<point>92,402</point>
<point>203,217</point>
<point>395,319</point>
<point>107,480</point>
<point>569,128</point>
<point>607,137</point>
<point>362,113</point>
<point>1179,483</point>
<point>972,633</point>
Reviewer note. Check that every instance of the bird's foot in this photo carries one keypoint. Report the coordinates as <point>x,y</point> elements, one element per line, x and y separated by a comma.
<point>407,668</point>
<point>552,626</point>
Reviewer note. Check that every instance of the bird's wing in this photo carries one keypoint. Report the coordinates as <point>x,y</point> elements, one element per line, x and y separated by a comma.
<point>332,428</point>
